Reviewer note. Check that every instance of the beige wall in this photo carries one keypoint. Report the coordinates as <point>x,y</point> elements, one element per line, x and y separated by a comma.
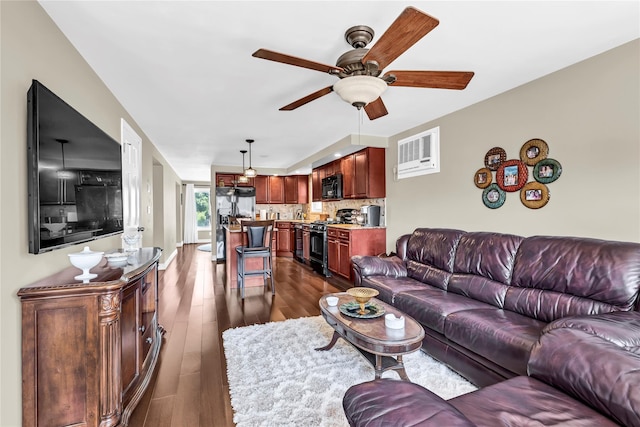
<point>589,116</point>
<point>34,48</point>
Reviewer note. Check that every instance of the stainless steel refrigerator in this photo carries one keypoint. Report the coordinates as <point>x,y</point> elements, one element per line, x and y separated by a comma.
<point>239,202</point>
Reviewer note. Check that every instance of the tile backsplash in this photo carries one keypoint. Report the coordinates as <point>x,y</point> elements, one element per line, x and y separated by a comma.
<point>288,211</point>
<point>330,208</point>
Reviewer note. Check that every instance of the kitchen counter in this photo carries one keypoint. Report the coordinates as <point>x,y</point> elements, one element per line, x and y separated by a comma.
<point>353,226</point>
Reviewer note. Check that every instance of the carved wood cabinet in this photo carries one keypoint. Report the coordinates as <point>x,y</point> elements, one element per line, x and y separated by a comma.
<point>89,349</point>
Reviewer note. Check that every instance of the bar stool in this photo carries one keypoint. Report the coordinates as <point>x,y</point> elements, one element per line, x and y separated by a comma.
<point>259,237</point>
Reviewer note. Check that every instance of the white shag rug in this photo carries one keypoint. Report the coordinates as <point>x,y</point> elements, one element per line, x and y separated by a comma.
<point>276,378</point>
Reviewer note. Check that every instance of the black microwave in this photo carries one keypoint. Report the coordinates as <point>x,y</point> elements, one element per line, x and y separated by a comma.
<point>332,187</point>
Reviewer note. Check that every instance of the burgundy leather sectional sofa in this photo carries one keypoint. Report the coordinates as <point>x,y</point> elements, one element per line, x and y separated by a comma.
<point>541,323</point>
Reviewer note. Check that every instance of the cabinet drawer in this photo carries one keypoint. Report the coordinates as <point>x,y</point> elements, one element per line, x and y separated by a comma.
<point>332,232</point>
<point>343,234</point>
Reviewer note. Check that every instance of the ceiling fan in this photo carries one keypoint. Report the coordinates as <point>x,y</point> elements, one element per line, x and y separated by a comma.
<point>359,69</point>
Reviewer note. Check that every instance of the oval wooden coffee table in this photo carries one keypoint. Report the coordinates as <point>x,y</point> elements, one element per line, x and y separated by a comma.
<point>381,346</point>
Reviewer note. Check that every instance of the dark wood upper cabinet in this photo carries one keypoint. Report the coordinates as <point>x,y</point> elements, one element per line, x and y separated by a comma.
<point>276,189</point>
<point>261,182</point>
<point>228,179</point>
<point>269,189</point>
<point>363,174</point>
<point>296,189</point>
<point>316,184</point>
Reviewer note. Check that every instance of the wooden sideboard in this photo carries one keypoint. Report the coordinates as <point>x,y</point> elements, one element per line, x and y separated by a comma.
<point>89,349</point>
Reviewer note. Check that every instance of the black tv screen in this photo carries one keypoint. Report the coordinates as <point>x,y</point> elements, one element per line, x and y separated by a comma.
<point>75,175</point>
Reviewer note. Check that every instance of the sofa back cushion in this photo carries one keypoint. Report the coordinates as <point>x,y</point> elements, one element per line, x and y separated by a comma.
<point>554,277</point>
<point>595,359</point>
<point>430,253</point>
<point>483,266</point>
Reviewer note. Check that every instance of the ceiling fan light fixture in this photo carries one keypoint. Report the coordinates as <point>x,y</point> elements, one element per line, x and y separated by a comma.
<point>360,90</point>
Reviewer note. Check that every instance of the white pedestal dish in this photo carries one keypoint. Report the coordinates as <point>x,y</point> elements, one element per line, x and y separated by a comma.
<point>85,260</point>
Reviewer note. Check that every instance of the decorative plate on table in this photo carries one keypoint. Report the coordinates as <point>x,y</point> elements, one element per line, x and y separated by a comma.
<point>352,309</point>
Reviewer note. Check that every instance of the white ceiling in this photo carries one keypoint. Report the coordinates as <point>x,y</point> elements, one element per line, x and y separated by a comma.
<point>184,70</point>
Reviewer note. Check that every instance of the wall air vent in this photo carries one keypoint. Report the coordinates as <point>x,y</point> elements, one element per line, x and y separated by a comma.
<point>419,154</point>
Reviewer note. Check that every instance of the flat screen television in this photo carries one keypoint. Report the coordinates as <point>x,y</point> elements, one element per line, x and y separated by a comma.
<point>75,175</point>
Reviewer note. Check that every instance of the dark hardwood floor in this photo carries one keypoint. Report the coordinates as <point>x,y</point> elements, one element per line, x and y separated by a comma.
<point>190,388</point>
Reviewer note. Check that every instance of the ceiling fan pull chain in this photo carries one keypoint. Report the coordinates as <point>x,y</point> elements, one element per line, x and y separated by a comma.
<point>360,119</point>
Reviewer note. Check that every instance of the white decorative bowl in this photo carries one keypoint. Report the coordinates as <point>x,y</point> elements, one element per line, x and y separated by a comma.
<point>393,322</point>
<point>117,259</point>
<point>85,261</point>
<point>332,301</point>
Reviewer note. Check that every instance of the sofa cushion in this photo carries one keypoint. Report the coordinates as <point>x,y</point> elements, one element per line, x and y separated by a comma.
<point>430,253</point>
<point>524,402</point>
<point>594,359</point>
<point>489,255</point>
<point>390,286</point>
<point>504,337</point>
<point>387,402</point>
<point>431,306</point>
<point>583,276</point>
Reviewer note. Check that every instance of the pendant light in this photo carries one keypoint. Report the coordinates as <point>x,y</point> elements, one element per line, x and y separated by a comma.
<point>64,173</point>
<point>250,172</point>
<point>243,179</point>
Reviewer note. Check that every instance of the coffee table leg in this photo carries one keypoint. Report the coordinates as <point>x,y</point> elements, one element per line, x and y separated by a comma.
<point>378,366</point>
<point>400,369</point>
<point>333,342</point>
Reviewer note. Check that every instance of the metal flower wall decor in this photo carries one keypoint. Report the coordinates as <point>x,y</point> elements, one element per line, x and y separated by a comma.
<point>513,175</point>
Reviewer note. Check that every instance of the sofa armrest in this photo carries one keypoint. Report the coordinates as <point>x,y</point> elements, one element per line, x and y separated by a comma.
<point>595,359</point>
<point>387,402</point>
<point>622,328</point>
<point>366,265</point>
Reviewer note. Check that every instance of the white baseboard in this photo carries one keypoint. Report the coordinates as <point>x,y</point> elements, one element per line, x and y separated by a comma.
<point>164,265</point>
<point>179,244</point>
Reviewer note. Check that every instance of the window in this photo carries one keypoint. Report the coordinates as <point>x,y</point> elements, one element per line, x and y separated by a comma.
<point>203,208</point>
<point>316,206</point>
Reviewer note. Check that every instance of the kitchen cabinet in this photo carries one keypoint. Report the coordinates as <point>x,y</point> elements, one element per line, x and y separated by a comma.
<point>89,350</point>
<point>296,189</point>
<point>316,184</point>
<point>276,189</point>
<point>344,243</point>
<point>57,191</point>
<point>332,168</point>
<point>286,240</point>
<point>228,179</point>
<point>269,189</point>
<point>364,174</point>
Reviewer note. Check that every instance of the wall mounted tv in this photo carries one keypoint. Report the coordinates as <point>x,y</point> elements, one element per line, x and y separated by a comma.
<point>75,175</point>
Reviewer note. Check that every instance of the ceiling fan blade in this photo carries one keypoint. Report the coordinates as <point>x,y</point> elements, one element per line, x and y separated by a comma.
<point>432,79</point>
<point>405,31</point>
<point>298,62</point>
<point>300,102</point>
<point>376,109</point>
